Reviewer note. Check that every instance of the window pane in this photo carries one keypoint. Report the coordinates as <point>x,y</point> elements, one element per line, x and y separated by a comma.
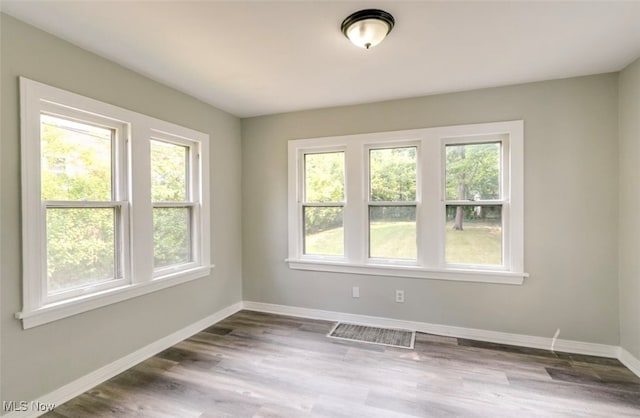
<point>171,236</point>
<point>80,247</point>
<point>474,235</point>
<point>75,160</point>
<point>392,232</point>
<point>324,177</point>
<point>323,231</point>
<point>473,171</point>
<point>392,174</point>
<point>169,165</point>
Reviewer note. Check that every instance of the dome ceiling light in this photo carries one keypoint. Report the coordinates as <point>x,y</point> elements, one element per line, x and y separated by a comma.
<point>367,28</point>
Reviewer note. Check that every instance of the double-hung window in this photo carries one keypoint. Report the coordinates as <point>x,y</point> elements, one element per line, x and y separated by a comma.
<point>392,203</point>
<point>174,208</point>
<point>437,203</point>
<point>474,201</point>
<point>115,203</point>
<point>322,205</point>
<point>83,197</point>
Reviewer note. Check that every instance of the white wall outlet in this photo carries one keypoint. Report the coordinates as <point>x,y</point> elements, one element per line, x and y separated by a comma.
<point>355,292</point>
<point>400,296</point>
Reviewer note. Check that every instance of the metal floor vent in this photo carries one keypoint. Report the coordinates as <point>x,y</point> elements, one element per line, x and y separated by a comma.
<point>401,338</point>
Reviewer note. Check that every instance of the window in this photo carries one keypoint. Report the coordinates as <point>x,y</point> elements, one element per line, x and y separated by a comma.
<point>473,203</point>
<point>81,192</point>
<point>114,204</point>
<point>323,203</point>
<point>392,203</point>
<point>173,209</point>
<point>440,203</point>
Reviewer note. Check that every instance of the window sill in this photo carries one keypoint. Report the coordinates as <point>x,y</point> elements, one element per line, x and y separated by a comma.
<point>63,309</point>
<point>414,272</point>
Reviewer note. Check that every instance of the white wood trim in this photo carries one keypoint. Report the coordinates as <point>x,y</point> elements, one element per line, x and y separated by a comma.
<point>515,209</point>
<point>355,224</point>
<point>545,343</point>
<point>66,308</point>
<point>132,195</point>
<point>630,361</point>
<point>430,222</point>
<point>30,180</point>
<point>408,270</point>
<point>104,373</point>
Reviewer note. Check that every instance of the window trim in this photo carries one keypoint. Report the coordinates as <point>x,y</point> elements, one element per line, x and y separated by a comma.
<point>133,197</point>
<point>430,262</point>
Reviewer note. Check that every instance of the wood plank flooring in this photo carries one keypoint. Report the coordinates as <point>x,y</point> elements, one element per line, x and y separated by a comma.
<point>262,365</point>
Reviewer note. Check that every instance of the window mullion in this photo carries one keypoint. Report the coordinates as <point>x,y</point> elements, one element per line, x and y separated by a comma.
<point>355,204</point>
<point>431,219</point>
<point>141,228</point>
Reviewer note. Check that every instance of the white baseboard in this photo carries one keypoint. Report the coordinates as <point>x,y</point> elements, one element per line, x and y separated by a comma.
<point>96,377</point>
<point>630,361</point>
<point>545,343</point>
<point>81,385</point>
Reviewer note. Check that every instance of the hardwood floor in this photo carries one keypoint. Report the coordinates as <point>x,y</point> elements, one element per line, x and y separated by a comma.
<point>262,365</point>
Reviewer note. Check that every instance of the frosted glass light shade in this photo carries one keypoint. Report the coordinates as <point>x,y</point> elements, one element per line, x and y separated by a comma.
<point>367,28</point>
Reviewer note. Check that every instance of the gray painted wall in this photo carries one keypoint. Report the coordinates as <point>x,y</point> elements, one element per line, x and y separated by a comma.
<point>571,208</point>
<point>629,221</point>
<point>571,196</point>
<point>39,360</point>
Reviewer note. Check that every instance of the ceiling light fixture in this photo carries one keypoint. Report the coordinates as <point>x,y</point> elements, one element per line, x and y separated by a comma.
<point>367,28</point>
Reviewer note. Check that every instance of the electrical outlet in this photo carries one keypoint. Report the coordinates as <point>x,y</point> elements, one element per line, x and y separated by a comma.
<point>355,292</point>
<point>400,296</point>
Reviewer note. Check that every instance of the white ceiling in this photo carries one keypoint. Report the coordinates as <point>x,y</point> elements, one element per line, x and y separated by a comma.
<point>262,57</point>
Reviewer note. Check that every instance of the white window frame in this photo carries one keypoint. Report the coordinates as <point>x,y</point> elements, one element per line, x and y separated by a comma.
<point>133,198</point>
<point>118,202</point>
<point>369,203</point>
<point>191,202</point>
<point>304,203</point>
<point>430,204</point>
<point>505,187</point>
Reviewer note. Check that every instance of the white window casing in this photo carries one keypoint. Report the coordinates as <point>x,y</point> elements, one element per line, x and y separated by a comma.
<point>131,202</point>
<point>430,203</point>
